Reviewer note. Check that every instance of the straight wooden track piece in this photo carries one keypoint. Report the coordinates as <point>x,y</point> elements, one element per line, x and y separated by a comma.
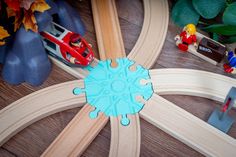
<point>107,27</point>
<point>77,135</point>
<point>38,105</point>
<point>188,128</point>
<point>153,34</point>
<point>110,44</point>
<point>125,140</point>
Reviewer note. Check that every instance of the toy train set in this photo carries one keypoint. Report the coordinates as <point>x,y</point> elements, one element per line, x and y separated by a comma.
<point>172,119</point>
<point>72,49</point>
<point>210,50</point>
<point>67,46</point>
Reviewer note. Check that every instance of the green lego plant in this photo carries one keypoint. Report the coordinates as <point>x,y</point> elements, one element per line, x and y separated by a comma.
<point>215,16</point>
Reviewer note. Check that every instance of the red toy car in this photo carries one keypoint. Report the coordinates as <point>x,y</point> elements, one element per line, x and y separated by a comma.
<point>67,46</point>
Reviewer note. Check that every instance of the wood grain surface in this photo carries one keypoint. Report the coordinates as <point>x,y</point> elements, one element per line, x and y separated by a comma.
<point>33,140</point>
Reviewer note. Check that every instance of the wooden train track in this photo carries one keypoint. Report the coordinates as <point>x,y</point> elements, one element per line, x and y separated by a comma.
<point>151,39</point>
<point>153,34</point>
<point>38,105</point>
<point>157,110</point>
<point>187,128</point>
<point>77,135</point>
<point>112,32</point>
<point>108,29</point>
<point>181,124</point>
<point>119,140</point>
<point>191,82</point>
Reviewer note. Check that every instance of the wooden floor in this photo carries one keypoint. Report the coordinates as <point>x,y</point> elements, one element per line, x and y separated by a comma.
<point>33,140</point>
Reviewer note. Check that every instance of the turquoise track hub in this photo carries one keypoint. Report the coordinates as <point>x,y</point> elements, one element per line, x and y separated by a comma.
<point>113,91</point>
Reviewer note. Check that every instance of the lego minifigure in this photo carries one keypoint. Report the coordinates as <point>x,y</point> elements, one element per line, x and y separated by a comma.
<point>186,37</point>
<point>230,67</point>
<point>77,44</point>
<point>76,41</point>
<point>67,46</point>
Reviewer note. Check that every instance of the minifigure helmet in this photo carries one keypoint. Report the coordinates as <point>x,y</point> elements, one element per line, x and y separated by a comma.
<point>75,38</point>
<point>191,29</point>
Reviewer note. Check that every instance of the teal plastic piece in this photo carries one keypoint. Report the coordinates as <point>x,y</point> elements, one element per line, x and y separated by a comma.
<point>113,91</point>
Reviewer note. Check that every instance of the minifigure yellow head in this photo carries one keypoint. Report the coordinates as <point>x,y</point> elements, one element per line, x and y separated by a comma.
<point>190,28</point>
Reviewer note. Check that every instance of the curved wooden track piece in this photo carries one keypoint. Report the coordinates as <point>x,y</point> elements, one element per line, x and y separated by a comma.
<point>191,82</point>
<point>38,105</point>
<point>181,124</point>
<point>77,135</point>
<point>153,34</point>
<point>187,128</point>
